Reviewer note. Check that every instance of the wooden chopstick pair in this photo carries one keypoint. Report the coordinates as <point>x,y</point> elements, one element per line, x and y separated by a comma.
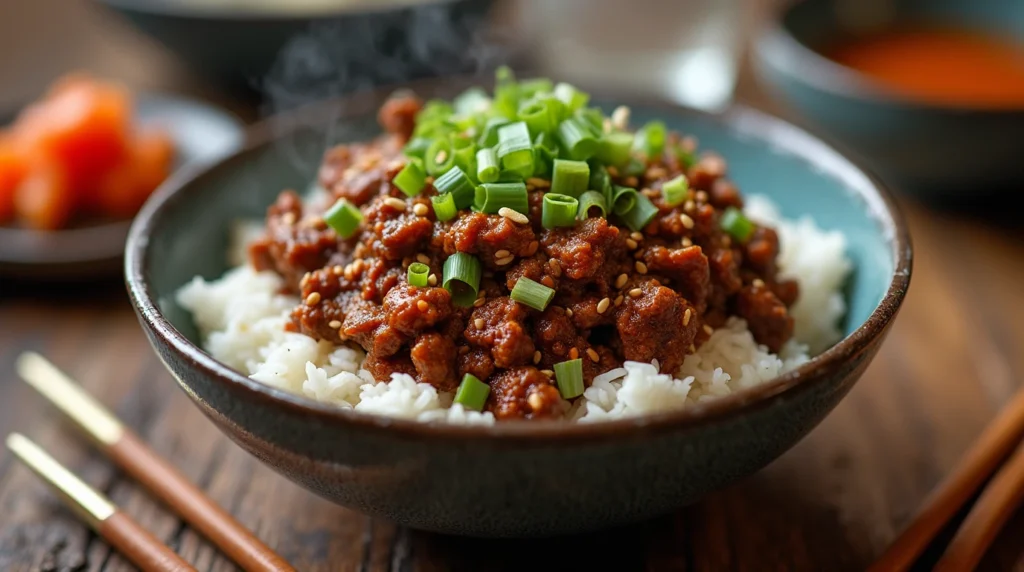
<point>129,453</point>
<point>993,452</point>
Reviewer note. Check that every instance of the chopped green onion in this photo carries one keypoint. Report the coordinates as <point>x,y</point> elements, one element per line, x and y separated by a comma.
<point>558,210</point>
<point>650,139</point>
<point>642,212</point>
<point>456,183</point>
<point>676,191</point>
<point>545,150</point>
<point>533,294</point>
<point>576,139</point>
<point>491,197</point>
<point>591,200</point>
<point>735,223</point>
<point>472,101</point>
<point>411,179</point>
<point>530,87</point>
<point>570,177</point>
<point>440,157</point>
<point>506,93</point>
<point>509,177</point>
<point>416,147</point>
<point>344,218</point>
<point>514,149</point>
<point>472,393</point>
<point>434,128</point>
<point>418,274</point>
<point>434,109</point>
<point>684,156</point>
<point>593,119</point>
<point>462,278</point>
<point>623,199</point>
<point>634,168</point>
<point>444,206</point>
<point>569,376</point>
<point>600,181</point>
<point>571,97</point>
<point>489,137</point>
<point>487,169</point>
<point>465,154</point>
<point>536,116</point>
<point>615,148</point>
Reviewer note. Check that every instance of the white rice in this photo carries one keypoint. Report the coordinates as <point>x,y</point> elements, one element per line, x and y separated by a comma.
<point>241,318</point>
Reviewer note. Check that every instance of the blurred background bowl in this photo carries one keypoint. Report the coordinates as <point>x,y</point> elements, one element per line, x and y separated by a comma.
<point>928,150</point>
<point>239,45</point>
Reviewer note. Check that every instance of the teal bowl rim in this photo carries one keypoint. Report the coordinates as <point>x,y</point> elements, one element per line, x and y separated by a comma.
<point>738,118</point>
<point>192,11</point>
<point>776,47</point>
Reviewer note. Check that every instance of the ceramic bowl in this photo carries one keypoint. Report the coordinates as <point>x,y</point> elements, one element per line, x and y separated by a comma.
<point>930,151</point>
<point>517,479</point>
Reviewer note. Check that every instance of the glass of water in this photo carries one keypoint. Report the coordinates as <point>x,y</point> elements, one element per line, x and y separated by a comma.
<point>687,51</point>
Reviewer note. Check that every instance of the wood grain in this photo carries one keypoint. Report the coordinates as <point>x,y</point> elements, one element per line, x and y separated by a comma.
<point>831,503</point>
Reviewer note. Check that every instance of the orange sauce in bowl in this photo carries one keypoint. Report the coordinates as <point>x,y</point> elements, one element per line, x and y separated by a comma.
<point>942,66</point>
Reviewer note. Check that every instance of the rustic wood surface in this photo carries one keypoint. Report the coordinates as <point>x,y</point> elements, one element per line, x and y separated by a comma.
<point>831,503</point>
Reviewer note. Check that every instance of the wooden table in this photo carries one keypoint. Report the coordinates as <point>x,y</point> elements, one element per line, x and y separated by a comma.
<point>831,503</point>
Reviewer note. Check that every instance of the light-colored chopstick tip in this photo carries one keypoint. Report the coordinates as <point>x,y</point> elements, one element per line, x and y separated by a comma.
<point>90,504</point>
<point>70,398</point>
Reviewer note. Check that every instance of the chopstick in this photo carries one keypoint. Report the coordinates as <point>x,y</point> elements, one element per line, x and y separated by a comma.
<point>129,453</point>
<point>116,527</point>
<point>1001,498</point>
<point>996,442</point>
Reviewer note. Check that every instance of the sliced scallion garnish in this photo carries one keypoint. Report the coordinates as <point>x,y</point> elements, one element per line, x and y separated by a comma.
<point>462,278</point>
<point>737,224</point>
<point>416,147</point>
<point>471,102</point>
<point>576,139</point>
<point>444,207</point>
<point>530,87</point>
<point>533,294</point>
<point>558,210</point>
<point>545,151</point>
<point>489,137</point>
<point>465,154</point>
<point>615,148</point>
<point>439,157</point>
<point>411,179</point>
<point>650,139</point>
<point>514,149</point>
<point>456,183</point>
<point>676,191</point>
<point>487,169</point>
<point>536,116</point>
<point>642,212</point>
<point>589,201</point>
<point>623,199</point>
<point>491,197</point>
<point>572,98</point>
<point>570,177</point>
<point>600,181</point>
<point>569,376</point>
<point>472,393</point>
<point>344,218</point>
<point>418,273</point>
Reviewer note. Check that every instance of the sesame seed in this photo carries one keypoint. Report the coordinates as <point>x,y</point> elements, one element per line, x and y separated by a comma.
<point>479,302</point>
<point>288,218</point>
<point>686,220</point>
<point>305,280</point>
<point>334,324</point>
<point>574,353</point>
<point>441,156</point>
<point>338,270</point>
<point>532,248</point>
<point>503,261</point>
<point>650,193</point>
<point>603,305</point>
<point>689,205</point>
<point>612,171</point>
<point>618,300</point>
<point>429,180</point>
<point>547,372</point>
<point>422,258</point>
<point>708,329</point>
<point>757,283</point>
<point>536,356</point>
<point>635,293</point>
<point>432,279</point>
<point>620,117</point>
<point>479,323</point>
<point>594,357</point>
<point>656,173</point>
<point>686,317</point>
<point>693,349</point>
<point>313,299</point>
<point>631,181</point>
<point>536,401</point>
<point>501,253</point>
<point>547,281</point>
<point>637,236</point>
<point>631,244</point>
<point>422,305</point>
<point>538,182</point>
<point>357,265</point>
<point>686,242</point>
<point>555,268</point>
<point>621,280</point>
<point>568,313</point>
<point>513,215</point>
<point>395,203</point>
<point>702,196</point>
<point>420,209</point>
<point>641,267</point>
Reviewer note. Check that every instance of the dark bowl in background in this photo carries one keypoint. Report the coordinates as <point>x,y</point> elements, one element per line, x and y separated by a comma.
<point>340,45</point>
<point>933,152</point>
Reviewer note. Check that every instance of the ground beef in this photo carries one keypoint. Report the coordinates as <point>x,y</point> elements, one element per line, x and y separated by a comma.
<point>619,294</point>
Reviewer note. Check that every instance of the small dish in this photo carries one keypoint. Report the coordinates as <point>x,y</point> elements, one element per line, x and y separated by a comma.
<point>935,152</point>
<point>514,479</point>
<point>201,133</point>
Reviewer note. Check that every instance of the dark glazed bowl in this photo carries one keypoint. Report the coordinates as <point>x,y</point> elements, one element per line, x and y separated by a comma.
<point>515,479</point>
<point>931,151</point>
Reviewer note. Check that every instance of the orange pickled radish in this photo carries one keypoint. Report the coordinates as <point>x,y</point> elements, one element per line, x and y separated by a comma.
<point>126,187</point>
<point>44,199</point>
<point>153,153</point>
<point>12,171</point>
